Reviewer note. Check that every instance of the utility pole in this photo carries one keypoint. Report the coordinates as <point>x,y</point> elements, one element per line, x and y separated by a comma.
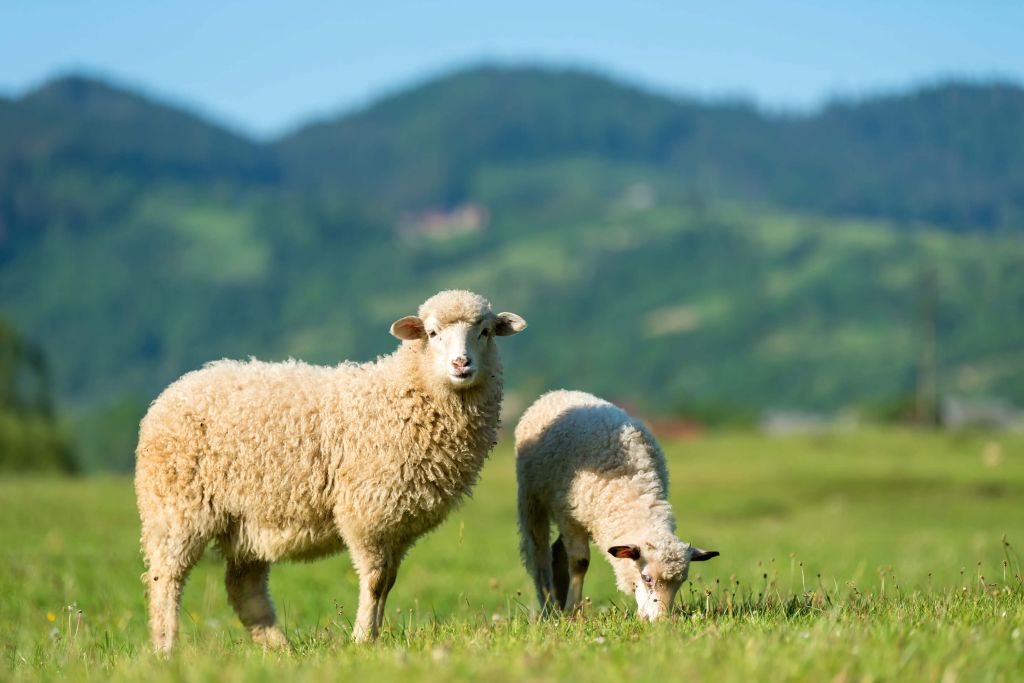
<point>927,404</point>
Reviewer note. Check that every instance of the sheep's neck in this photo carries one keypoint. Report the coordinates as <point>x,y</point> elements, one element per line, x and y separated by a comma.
<point>454,429</point>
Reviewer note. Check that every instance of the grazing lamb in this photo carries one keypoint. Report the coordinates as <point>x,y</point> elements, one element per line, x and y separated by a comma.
<point>280,461</point>
<point>598,474</point>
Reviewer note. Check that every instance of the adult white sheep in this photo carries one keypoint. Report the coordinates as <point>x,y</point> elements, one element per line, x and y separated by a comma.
<point>280,461</point>
<point>598,474</point>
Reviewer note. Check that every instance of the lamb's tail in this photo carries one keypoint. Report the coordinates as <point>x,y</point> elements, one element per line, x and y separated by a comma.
<point>560,571</point>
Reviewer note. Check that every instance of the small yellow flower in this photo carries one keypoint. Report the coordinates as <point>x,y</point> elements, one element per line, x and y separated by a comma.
<point>50,616</point>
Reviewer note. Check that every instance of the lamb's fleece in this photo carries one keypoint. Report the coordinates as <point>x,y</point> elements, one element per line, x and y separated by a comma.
<point>292,461</point>
<point>596,473</point>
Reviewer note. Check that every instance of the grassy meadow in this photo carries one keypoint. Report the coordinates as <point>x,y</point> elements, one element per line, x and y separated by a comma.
<point>856,556</point>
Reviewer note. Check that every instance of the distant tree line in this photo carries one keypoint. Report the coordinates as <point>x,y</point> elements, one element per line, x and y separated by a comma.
<point>30,438</point>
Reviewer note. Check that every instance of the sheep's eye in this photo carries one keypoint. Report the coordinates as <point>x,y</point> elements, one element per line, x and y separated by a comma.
<point>432,333</point>
<point>646,577</point>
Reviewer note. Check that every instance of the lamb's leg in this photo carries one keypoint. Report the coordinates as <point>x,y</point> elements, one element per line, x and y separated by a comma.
<point>577,551</point>
<point>249,596</point>
<point>560,571</point>
<point>377,572</point>
<point>534,532</point>
<point>169,558</point>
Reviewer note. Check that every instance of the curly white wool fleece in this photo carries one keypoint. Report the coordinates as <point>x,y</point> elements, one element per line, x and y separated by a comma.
<point>292,461</point>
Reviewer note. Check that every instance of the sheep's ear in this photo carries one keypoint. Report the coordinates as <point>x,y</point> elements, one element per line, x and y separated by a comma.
<point>408,328</point>
<point>509,323</point>
<point>625,552</point>
<point>698,555</point>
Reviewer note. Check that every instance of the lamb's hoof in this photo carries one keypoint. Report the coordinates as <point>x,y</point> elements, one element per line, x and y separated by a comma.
<point>270,637</point>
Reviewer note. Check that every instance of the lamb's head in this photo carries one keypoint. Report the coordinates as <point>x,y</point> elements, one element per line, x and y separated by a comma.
<point>656,568</point>
<point>455,329</point>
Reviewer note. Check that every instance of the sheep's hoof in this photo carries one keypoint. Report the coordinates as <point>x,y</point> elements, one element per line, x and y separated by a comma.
<point>363,637</point>
<point>270,637</point>
<point>163,651</point>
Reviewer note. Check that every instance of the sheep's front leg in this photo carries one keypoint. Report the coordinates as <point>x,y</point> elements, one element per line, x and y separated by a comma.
<point>376,577</point>
<point>389,582</point>
<point>577,550</point>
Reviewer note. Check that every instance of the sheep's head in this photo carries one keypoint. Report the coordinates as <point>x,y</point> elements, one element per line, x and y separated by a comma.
<point>456,329</point>
<point>657,569</point>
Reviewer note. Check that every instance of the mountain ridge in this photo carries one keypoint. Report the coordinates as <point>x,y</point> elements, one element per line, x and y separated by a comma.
<point>834,160</point>
<point>454,125</point>
<point>83,121</point>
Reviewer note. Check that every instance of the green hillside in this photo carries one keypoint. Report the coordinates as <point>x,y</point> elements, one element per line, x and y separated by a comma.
<point>951,155</point>
<point>30,440</point>
<point>678,255</point>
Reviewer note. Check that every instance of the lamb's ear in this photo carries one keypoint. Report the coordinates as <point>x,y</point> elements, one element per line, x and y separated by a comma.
<point>408,328</point>
<point>625,552</point>
<point>698,555</point>
<point>509,323</point>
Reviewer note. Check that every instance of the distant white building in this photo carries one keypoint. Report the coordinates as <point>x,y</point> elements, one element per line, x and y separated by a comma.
<point>440,224</point>
<point>960,412</point>
<point>780,422</point>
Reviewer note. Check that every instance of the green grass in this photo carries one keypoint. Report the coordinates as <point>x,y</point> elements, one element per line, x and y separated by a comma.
<point>861,556</point>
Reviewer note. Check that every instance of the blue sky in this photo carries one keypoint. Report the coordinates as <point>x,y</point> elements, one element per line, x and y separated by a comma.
<point>265,67</point>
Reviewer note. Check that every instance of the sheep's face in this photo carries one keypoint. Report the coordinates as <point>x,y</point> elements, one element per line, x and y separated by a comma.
<point>658,570</point>
<point>460,352</point>
<point>458,340</point>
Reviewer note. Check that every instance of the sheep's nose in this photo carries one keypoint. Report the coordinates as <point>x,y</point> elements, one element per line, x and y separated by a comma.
<point>460,363</point>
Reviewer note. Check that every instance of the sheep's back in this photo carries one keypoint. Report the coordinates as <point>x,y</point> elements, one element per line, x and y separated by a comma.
<point>581,452</point>
<point>238,440</point>
<point>574,429</point>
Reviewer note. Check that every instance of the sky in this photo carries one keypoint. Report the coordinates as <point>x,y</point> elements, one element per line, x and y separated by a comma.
<point>266,67</point>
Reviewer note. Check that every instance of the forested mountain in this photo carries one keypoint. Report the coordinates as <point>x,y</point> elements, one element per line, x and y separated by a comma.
<point>76,122</point>
<point>75,153</point>
<point>951,155</point>
<point>30,439</point>
<point>679,254</point>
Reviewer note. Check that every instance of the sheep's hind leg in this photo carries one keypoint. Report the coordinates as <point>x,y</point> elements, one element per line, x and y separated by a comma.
<point>169,560</point>
<point>249,595</point>
<point>535,533</point>
<point>577,552</point>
